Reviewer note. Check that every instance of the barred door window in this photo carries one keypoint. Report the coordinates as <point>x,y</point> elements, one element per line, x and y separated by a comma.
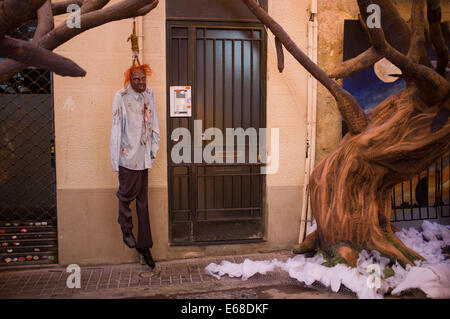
<point>27,166</point>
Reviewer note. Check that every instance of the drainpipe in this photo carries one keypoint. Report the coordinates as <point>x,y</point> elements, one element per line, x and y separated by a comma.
<point>306,214</point>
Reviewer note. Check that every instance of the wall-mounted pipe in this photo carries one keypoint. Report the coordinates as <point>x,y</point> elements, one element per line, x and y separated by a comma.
<point>306,214</point>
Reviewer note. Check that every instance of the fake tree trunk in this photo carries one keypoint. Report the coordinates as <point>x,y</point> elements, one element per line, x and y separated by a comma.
<point>351,189</point>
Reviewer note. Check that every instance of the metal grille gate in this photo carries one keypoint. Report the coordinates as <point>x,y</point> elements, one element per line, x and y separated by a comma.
<point>426,196</point>
<point>27,166</point>
<point>224,64</point>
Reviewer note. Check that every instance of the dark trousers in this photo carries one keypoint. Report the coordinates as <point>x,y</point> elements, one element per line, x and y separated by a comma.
<point>134,185</point>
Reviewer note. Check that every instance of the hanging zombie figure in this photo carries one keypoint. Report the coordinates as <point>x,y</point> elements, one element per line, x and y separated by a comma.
<point>134,144</point>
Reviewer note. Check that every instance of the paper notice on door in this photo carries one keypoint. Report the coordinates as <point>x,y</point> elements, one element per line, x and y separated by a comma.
<point>180,101</point>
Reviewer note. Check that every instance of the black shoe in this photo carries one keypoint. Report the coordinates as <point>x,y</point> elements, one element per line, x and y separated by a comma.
<point>129,240</point>
<point>147,257</point>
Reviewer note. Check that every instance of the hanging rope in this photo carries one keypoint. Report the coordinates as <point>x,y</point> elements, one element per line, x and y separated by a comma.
<point>134,44</point>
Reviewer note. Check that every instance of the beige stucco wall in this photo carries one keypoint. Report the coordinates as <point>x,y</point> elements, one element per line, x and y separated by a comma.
<point>88,232</point>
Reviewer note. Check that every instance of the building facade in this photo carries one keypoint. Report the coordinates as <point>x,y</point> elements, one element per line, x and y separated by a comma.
<point>220,50</point>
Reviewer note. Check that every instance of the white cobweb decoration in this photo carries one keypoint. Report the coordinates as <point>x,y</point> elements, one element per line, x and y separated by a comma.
<point>367,279</point>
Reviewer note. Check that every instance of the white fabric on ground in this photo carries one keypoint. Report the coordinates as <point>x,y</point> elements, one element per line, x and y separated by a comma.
<point>431,276</point>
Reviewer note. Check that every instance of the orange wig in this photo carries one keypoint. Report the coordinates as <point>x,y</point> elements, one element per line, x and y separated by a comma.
<point>135,68</point>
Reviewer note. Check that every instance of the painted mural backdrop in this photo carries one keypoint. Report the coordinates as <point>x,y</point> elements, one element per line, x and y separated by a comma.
<point>370,87</point>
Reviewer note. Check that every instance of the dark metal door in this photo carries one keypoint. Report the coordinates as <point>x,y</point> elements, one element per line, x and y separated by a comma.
<point>27,166</point>
<point>225,65</point>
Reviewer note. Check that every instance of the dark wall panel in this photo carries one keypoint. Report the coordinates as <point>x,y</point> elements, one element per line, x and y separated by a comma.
<point>232,10</point>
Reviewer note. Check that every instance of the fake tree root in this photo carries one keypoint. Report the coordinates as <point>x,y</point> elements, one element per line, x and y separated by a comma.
<point>389,246</point>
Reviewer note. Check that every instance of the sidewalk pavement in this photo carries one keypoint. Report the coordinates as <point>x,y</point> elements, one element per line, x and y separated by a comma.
<point>177,279</point>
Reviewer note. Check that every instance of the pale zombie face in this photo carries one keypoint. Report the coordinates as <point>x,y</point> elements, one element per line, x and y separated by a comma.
<point>138,81</point>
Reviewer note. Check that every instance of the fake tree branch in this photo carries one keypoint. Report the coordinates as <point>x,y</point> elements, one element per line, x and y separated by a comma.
<point>432,86</point>
<point>92,5</point>
<point>347,104</point>
<point>434,16</point>
<point>123,10</point>
<point>28,53</point>
<point>417,30</point>
<point>146,9</point>
<point>397,34</point>
<point>118,11</point>
<point>45,21</point>
<point>280,54</point>
<point>61,6</point>
<point>9,17</point>
<point>356,64</point>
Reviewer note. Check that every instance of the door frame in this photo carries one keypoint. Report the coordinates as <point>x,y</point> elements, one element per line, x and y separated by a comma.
<point>192,24</point>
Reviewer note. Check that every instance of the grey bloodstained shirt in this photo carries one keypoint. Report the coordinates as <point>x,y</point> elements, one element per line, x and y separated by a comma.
<point>135,129</point>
